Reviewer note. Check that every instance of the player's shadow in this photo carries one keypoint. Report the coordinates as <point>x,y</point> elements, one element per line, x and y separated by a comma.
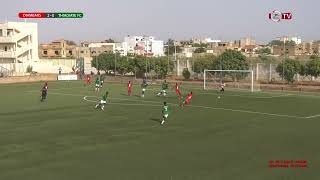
<point>155,119</point>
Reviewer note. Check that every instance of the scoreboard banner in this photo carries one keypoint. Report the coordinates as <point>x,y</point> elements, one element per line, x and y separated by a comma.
<point>50,15</point>
<point>68,77</point>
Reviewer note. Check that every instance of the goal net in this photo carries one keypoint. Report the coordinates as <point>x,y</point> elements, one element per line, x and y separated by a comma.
<point>232,79</point>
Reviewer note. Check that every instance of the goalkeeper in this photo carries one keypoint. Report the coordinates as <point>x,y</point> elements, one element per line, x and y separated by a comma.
<point>103,101</point>
<point>164,89</point>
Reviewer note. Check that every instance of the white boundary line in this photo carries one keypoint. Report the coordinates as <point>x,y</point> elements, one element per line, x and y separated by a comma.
<point>309,117</point>
<point>196,106</point>
<point>270,97</point>
<point>204,107</point>
<point>126,104</point>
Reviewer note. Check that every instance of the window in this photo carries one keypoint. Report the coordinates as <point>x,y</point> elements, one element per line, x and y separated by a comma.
<point>45,52</point>
<point>81,52</point>
<point>56,52</point>
<point>70,52</point>
<point>5,48</point>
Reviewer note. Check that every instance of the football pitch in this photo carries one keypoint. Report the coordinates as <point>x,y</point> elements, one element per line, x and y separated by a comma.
<point>234,137</point>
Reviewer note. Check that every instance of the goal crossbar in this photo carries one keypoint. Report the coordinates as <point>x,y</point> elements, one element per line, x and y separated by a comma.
<point>219,70</point>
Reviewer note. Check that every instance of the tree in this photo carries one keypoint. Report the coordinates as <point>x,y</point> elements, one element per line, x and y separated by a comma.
<point>314,57</point>
<point>186,74</point>
<point>104,61</point>
<point>200,50</point>
<point>109,40</point>
<point>70,42</point>
<point>172,48</point>
<point>232,60</point>
<point>313,67</point>
<point>201,45</point>
<point>281,43</point>
<point>161,66</point>
<point>264,51</point>
<point>288,69</point>
<point>123,65</point>
<point>202,63</point>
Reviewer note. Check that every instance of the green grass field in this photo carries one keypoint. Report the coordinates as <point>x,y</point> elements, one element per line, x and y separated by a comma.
<point>65,138</point>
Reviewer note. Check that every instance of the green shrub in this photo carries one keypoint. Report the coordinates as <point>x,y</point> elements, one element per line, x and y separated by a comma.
<point>186,74</point>
<point>29,69</point>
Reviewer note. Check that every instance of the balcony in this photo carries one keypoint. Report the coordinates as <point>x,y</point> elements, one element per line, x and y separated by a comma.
<point>12,39</point>
<point>4,39</point>
<point>7,54</point>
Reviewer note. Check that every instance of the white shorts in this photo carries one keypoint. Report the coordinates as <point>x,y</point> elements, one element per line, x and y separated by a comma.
<point>97,85</point>
<point>143,89</point>
<point>103,102</point>
<point>163,91</point>
<point>166,115</point>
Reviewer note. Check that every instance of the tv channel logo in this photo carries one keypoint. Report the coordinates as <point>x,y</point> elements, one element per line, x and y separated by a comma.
<point>276,16</point>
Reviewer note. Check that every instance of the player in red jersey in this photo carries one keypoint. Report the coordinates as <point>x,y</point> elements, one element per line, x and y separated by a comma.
<point>44,91</point>
<point>129,88</point>
<point>88,80</point>
<point>188,99</point>
<point>178,92</point>
<point>222,85</point>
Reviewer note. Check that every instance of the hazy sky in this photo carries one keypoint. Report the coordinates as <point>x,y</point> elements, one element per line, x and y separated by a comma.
<point>178,19</point>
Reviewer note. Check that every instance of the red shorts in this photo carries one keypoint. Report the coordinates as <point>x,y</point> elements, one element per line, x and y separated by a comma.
<point>187,101</point>
<point>178,92</point>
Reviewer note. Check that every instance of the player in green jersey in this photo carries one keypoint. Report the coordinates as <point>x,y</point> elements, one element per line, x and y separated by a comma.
<point>165,112</point>
<point>144,87</point>
<point>97,84</point>
<point>102,80</point>
<point>164,88</point>
<point>103,101</point>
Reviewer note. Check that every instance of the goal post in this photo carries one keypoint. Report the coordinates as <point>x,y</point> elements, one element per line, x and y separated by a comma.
<point>231,74</point>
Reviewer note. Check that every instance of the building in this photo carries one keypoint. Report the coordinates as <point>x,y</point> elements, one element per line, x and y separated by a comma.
<point>247,41</point>
<point>209,40</point>
<point>121,48</point>
<point>57,49</point>
<point>95,48</point>
<point>297,40</point>
<point>187,51</point>
<point>219,47</point>
<point>144,45</point>
<point>287,50</point>
<point>249,49</point>
<point>18,46</point>
<point>311,48</point>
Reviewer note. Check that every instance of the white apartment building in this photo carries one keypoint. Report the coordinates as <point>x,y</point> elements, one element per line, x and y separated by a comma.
<point>296,39</point>
<point>209,40</point>
<point>121,48</point>
<point>144,45</point>
<point>18,46</point>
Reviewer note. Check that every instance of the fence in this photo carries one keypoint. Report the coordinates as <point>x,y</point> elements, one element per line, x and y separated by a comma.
<point>4,72</point>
